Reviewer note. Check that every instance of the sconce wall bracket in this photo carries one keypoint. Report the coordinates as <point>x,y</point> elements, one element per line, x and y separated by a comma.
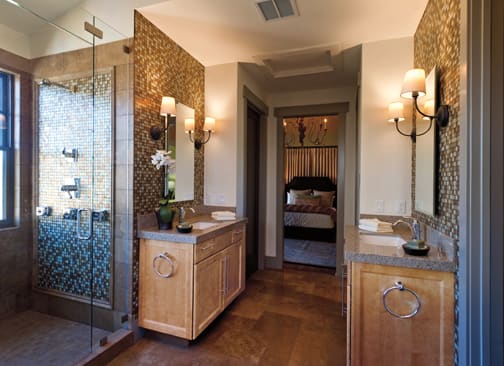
<point>197,142</point>
<point>442,115</point>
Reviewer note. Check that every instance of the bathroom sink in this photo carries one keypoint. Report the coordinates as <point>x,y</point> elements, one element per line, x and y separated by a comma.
<point>201,225</point>
<point>385,240</point>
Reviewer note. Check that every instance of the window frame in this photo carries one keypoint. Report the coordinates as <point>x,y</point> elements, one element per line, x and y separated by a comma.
<point>9,157</point>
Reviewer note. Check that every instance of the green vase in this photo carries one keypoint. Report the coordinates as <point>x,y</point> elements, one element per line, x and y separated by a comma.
<point>165,217</point>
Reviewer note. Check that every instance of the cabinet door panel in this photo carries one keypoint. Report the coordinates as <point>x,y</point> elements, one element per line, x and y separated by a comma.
<point>165,304</point>
<point>234,278</point>
<point>379,338</point>
<point>208,288</point>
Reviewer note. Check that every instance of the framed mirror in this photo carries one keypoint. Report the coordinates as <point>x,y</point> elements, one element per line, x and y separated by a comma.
<point>426,150</point>
<point>181,182</point>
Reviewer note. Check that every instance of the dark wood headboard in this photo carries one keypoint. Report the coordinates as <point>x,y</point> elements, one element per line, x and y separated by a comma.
<point>318,183</point>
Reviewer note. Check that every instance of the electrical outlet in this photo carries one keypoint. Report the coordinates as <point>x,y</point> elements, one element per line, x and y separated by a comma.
<point>380,206</point>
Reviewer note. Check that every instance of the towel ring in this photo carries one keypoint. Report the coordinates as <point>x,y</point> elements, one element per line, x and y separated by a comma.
<point>165,257</point>
<point>399,286</point>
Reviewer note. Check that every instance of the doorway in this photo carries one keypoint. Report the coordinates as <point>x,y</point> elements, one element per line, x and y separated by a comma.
<point>332,109</point>
<point>310,180</point>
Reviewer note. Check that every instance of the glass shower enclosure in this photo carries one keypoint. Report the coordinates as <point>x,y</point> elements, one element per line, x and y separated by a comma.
<point>64,108</point>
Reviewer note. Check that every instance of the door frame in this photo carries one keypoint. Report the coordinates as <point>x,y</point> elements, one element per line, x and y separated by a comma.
<point>253,101</point>
<point>480,299</point>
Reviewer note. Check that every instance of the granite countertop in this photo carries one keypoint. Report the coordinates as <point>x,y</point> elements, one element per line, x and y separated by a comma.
<point>357,251</point>
<point>147,229</point>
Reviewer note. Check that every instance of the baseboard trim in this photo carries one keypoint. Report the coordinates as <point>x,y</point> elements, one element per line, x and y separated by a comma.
<point>273,262</point>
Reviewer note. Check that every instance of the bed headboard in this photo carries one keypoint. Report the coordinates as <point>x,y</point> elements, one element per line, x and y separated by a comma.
<point>318,183</point>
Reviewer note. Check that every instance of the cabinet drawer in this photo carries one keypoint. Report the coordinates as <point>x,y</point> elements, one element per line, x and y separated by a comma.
<point>238,233</point>
<point>209,247</point>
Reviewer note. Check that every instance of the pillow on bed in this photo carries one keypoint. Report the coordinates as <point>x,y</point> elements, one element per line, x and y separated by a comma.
<point>326,198</point>
<point>307,200</point>
<point>291,195</point>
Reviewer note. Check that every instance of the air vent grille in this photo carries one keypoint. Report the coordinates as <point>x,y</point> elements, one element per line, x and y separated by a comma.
<point>274,9</point>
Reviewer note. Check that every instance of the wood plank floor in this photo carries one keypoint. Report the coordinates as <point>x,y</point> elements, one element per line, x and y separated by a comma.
<point>291,317</point>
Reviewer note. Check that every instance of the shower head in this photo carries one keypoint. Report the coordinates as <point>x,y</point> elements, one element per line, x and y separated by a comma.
<point>53,83</point>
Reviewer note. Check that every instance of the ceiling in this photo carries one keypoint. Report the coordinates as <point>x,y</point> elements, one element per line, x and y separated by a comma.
<point>322,39</point>
<point>23,22</point>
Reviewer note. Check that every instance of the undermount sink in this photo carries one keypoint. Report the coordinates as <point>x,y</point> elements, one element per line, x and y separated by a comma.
<point>385,240</point>
<point>201,225</point>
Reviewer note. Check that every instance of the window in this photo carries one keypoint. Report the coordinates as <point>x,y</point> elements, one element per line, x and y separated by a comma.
<point>6,150</point>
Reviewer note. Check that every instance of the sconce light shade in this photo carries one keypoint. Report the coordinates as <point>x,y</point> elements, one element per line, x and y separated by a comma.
<point>396,112</point>
<point>168,106</point>
<point>209,124</point>
<point>189,125</point>
<point>413,84</point>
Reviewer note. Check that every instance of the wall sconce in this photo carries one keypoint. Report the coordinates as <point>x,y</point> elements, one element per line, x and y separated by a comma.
<point>414,87</point>
<point>167,109</point>
<point>208,127</point>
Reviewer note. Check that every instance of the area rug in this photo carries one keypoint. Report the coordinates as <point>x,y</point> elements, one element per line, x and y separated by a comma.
<point>314,253</point>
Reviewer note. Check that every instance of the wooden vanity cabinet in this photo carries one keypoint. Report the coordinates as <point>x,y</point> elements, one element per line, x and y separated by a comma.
<point>379,338</point>
<point>207,276</point>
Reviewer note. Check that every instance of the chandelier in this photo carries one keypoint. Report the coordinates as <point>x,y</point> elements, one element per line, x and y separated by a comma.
<point>300,129</point>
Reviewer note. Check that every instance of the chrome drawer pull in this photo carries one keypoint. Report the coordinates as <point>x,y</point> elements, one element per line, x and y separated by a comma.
<point>165,257</point>
<point>399,286</point>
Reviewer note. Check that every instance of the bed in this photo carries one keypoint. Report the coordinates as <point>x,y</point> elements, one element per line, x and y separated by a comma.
<point>306,216</point>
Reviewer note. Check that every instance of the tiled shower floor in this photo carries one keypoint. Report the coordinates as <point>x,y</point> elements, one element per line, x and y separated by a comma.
<point>32,338</point>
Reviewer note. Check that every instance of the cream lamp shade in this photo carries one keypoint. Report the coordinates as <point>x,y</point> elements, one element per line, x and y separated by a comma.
<point>209,124</point>
<point>413,84</point>
<point>396,112</point>
<point>168,106</point>
<point>189,125</point>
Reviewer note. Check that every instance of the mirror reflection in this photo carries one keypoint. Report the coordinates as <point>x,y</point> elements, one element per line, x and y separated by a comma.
<point>425,155</point>
<point>181,182</point>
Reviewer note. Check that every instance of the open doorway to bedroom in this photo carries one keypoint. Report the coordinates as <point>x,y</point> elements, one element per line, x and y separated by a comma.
<point>310,177</point>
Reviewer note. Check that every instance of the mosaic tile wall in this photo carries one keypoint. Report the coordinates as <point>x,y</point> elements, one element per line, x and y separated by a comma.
<point>16,243</point>
<point>66,122</point>
<point>162,68</point>
<point>437,42</point>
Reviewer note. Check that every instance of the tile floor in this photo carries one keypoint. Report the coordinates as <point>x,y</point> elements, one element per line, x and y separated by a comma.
<point>283,318</point>
<point>35,339</point>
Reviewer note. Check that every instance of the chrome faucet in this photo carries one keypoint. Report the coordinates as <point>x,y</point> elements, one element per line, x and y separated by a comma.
<point>69,188</point>
<point>415,228</point>
<point>182,212</point>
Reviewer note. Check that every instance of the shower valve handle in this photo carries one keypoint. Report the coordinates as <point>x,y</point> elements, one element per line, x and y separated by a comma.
<point>90,224</point>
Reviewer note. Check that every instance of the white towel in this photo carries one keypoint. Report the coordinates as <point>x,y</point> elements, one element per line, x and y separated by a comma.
<point>223,215</point>
<point>375,223</point>
<point>376,230</point>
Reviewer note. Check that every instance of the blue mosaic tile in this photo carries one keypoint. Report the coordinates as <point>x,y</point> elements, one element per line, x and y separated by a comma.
<point>64,263</point>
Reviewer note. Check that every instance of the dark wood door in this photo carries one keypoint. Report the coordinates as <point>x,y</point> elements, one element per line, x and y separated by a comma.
<point>252,193</point>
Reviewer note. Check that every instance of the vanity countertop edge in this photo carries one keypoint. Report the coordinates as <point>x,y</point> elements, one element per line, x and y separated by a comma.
<point>393,256</point>
<point>195,236</point>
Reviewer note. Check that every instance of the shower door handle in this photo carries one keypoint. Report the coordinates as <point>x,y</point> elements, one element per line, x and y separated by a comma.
<point>90,224</point>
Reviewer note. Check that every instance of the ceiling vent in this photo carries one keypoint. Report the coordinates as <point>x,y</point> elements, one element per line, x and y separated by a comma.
<point>276,9</point>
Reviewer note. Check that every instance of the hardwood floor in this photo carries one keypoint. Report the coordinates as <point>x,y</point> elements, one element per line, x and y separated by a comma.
<point>283,318</point>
